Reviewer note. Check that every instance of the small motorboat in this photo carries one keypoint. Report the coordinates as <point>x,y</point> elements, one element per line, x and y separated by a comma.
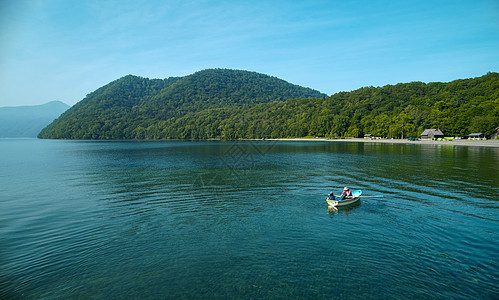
<point>354,199</point>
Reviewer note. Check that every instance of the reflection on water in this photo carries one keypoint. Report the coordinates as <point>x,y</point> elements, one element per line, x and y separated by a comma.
<point>246,219</point>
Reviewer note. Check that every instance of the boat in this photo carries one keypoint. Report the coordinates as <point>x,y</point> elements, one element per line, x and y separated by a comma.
<point>355,198</point>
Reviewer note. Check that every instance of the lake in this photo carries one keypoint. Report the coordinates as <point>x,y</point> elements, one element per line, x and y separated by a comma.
<point>157,219</point>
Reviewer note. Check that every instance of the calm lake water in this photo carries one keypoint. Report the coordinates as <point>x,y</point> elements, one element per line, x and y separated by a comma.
<point>111,220</point>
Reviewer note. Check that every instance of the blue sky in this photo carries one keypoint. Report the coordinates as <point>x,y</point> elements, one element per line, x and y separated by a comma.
<point>64,49</point>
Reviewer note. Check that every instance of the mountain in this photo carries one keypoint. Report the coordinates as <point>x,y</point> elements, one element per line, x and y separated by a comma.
<point>126,107</point>
<point>458,108</point>
<point>228,104</point>
<point>28,121</point>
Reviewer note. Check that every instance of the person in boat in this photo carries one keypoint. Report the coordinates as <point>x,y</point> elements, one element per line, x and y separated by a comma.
<point>347,193</point>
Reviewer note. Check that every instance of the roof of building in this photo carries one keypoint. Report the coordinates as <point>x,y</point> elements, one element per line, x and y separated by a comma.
<point>434,131</point>
<point>475,134</point>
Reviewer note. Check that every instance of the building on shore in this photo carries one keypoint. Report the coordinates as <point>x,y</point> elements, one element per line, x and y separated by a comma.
<point>477,136</point>
<point>369,136</point>
<point>495,135</point>
<point>432,134</point>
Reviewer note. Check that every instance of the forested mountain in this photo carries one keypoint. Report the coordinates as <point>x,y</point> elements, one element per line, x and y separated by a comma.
<point>237,104</point>
<point>127,107</point>
<point>27,121</point>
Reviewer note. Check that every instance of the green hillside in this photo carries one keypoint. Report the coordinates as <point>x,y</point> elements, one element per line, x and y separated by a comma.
<point>231,104</point>
<point>457,108</point>
<point>125,108</point>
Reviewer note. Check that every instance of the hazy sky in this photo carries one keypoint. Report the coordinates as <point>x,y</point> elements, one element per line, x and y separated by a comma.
<point>63,49</point>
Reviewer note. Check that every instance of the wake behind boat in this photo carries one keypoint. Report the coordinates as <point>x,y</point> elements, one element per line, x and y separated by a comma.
<point>355,198</point>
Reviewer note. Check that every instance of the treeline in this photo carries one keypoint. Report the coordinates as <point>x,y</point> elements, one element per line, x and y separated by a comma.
<point>214,111</point>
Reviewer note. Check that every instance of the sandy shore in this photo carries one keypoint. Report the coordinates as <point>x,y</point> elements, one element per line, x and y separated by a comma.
<point>486,143</point>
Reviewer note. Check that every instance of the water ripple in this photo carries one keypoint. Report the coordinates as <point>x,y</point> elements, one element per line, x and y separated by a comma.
<point>193,220</point>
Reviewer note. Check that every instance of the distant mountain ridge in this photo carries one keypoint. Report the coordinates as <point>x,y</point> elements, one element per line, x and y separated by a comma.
<point>28,121</point>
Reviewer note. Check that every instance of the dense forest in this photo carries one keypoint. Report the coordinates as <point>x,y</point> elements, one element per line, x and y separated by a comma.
<point>229,104</point>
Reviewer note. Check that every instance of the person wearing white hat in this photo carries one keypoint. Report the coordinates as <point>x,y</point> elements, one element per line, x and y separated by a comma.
<point>347,193</point>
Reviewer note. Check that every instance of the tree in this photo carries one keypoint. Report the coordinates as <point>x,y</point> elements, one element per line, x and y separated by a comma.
<point>485,125</point>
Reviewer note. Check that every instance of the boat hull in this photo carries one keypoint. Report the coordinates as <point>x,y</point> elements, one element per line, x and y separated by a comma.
<point>356,197</point>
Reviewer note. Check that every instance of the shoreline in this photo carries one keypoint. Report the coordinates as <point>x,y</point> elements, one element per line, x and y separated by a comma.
<point>470,143</point>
